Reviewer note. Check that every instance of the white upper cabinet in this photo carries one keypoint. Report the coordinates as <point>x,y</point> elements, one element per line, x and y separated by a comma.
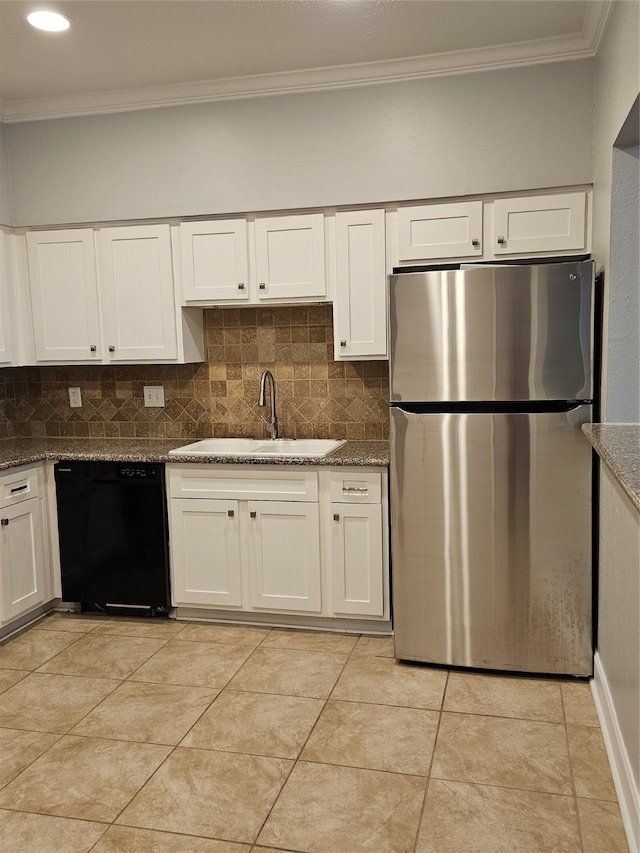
<point>359,306</point>
<point>8,354</point>
<point>215,261</point>
<point>435,231</point>
<point>536,225</point>
<point>136,279</point>
<point>64,295</point>
<point>290,257</point>
<point>108,297</point>
<point>278,259</point>
<point>543,223</point>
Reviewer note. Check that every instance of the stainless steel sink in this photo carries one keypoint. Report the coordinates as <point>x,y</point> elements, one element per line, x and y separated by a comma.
<point>303,447</point>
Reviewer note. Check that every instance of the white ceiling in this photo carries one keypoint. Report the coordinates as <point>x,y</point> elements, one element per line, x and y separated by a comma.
<point>133,54</point>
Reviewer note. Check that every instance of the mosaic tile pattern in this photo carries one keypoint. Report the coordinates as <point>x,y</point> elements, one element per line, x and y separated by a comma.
<point>316,396</point>
<point>9,378</point>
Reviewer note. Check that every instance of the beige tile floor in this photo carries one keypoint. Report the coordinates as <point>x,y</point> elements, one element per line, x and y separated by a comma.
<point>164,737</point>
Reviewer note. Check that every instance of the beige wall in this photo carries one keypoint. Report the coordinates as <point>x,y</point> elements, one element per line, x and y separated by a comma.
<point>6,211</point>
<point>515,129</point>
<point>616,88</point>
<point>621,402</point>
<point>619,608</point>
<point>617,83</point>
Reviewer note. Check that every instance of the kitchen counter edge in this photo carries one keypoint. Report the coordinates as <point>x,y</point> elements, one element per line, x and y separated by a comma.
<point>618,445</point>
<point>24,451</point>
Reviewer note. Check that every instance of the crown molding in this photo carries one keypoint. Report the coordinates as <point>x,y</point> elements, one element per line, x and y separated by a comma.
<point>519,54</point>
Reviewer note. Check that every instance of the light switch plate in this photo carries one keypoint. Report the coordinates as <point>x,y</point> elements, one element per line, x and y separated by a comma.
<point>75,398</point>
<point>153,395</point>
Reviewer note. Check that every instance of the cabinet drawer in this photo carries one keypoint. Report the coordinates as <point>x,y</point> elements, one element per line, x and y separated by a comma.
<point>356,488</point>
<point>18,486</point>
<point>242,483</point>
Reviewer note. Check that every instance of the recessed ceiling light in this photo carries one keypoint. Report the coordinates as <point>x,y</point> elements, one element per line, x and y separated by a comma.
<point>52,22</point>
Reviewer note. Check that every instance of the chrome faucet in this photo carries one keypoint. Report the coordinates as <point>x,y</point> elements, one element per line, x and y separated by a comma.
<point>272,420</point>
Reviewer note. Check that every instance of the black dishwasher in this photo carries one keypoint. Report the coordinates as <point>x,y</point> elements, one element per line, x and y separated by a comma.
<point>112,524</point>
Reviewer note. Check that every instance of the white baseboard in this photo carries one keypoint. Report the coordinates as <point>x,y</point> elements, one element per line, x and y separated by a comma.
<point>626,788</point>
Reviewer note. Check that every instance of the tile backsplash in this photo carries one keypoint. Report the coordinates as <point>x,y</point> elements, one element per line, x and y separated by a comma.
<point>316,397</point>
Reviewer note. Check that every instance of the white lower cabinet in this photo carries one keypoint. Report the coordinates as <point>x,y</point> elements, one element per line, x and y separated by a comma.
<point>266,540</point>
<point>244,538</point>
<point>284,556</point>
<point>205,546</point>
<point>22,544</point>
<point>357,543</point>
<point>356,559</point>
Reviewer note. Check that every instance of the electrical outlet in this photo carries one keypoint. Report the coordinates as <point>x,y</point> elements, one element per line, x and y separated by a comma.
<point>153,395</point>
<point>75,398</point>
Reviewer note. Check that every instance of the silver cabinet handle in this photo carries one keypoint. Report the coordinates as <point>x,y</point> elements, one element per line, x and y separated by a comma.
<point>336,516</point>
<point>501,241</point>
<point>112,348</point>
<point>93,348</point>
<point>253,514</point>
<point>343,343</point>
<point>19,488</point>
<point>240,285</point>
<point>230,513</point>
<point>475,242</point>
<point>355,489</point>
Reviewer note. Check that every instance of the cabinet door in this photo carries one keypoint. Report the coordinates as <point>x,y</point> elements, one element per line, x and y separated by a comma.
<point>215,265</point>
<point>544,223</point>
<point>7,314</point>
<point>138,300</point>
<point>356,559</point>
<point>436,231</point>
<point>64,295</point>
<point>21,559</point>
<point>205,552</point>
<point>284,547</point>
<point>360,306</point>
<point>290,257</point>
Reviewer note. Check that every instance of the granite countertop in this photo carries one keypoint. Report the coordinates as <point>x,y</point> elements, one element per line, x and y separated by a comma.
<point>618,445</point>
<point>21,451</point>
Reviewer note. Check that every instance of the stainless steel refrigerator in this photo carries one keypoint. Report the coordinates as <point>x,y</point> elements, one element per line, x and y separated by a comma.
<point>491,380</point>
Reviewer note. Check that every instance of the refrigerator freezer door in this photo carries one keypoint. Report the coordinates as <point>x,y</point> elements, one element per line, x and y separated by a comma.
<point>491,544</point>
<point>497,333</point>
